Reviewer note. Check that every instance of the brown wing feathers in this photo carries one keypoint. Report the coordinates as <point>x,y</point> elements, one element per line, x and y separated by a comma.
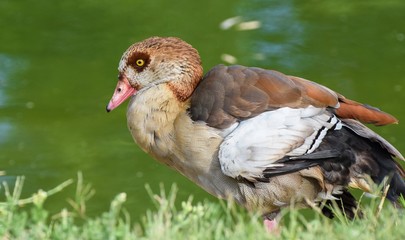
<point>315,94</point>
<point>363,113</point>
<point>227,94</point>
<point>347,108</point>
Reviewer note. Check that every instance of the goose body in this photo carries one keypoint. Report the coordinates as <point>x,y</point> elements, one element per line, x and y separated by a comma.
<point>260,137</point>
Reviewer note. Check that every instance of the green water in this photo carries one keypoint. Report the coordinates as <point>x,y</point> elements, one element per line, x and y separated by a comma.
<point>58,69</point>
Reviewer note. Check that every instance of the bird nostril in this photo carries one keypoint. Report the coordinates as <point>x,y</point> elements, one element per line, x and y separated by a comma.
<point>119,89</point>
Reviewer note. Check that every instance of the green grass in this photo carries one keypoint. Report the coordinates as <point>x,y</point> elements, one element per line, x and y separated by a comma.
<point>29,219</point>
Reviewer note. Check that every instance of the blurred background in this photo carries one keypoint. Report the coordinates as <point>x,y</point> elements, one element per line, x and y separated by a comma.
<point>58,70</point>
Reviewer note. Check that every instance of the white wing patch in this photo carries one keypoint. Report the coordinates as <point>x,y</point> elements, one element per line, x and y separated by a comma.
<point>257,143</point>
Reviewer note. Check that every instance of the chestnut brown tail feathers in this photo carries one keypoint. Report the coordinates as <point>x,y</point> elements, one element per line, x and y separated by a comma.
<point>350,109</point>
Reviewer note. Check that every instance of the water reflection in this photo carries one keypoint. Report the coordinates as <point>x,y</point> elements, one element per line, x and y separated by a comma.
<point>281,32</point>
<point>5,128</point>
<point>8,68</point>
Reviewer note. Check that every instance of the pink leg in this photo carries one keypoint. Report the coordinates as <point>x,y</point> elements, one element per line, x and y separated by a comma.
<point>271,222</point>
<point>271,225</point>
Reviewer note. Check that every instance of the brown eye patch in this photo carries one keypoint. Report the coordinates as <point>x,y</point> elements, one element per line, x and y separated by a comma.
<point>139,61</point>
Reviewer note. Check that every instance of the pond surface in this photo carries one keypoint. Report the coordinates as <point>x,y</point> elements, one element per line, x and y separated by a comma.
<point>58,69</point>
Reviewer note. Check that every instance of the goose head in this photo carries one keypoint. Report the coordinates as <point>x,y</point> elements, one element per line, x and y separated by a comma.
<point>155,61</point>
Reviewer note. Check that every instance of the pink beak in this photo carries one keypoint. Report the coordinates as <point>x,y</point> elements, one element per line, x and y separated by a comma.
<point>122,91</point>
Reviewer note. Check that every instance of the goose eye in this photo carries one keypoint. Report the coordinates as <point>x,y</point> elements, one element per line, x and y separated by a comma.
<point>140,62</point>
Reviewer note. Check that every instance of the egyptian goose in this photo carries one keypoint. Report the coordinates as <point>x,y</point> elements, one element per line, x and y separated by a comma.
<point>260,137</point>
